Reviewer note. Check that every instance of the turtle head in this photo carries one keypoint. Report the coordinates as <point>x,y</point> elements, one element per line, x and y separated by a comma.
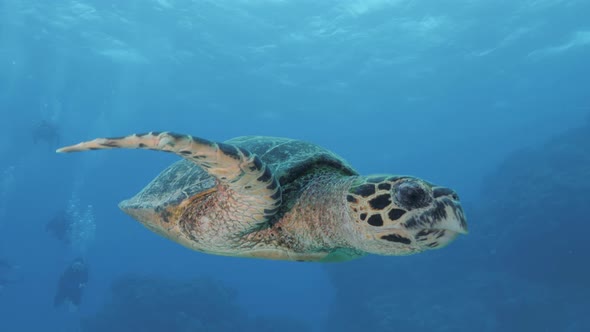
<point>401,215</point>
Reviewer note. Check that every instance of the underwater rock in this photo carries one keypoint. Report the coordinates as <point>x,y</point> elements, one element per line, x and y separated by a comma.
<point>143,303</point>
<point>408,295</point>
<point>474,298</point>
<point>540,197</point>
<point>71,285</point>
<point>273,324</point>
<point>155,304</point>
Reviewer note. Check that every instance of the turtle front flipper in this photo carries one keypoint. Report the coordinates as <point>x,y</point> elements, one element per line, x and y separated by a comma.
<point>257,191</point>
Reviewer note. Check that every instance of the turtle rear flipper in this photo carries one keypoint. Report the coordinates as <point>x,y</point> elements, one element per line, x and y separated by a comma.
<point>257,191</point>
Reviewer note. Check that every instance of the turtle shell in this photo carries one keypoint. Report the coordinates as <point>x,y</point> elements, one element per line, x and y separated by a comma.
<point>291,161</point>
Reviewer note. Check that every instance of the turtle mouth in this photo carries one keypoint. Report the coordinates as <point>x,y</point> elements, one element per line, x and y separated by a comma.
<point>446,214</point>
<point>436,239</point>
<point>442,225</point>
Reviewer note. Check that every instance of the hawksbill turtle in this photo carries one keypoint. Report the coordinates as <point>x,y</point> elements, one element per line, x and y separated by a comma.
<point>285,199</point>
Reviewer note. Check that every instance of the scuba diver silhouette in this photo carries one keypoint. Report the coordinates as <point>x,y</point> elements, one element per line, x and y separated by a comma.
<point>60,226</point>
<point>71,284</point>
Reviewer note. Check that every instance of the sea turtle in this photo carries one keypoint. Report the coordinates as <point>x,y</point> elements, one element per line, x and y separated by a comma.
<point>280,198</point>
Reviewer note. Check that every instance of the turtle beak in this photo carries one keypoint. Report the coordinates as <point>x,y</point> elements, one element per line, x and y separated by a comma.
<point>449,215</point>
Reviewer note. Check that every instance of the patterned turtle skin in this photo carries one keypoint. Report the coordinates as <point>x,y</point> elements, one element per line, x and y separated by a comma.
<point>285,199</point>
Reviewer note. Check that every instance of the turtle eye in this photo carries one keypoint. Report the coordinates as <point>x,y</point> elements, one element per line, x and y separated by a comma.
<point>412,195</point>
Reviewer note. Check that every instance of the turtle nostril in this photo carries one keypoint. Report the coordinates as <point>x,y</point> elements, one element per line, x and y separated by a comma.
<point>412,195</point>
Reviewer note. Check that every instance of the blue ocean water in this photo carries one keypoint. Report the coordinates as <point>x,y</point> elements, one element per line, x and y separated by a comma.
<point>487,97</point>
